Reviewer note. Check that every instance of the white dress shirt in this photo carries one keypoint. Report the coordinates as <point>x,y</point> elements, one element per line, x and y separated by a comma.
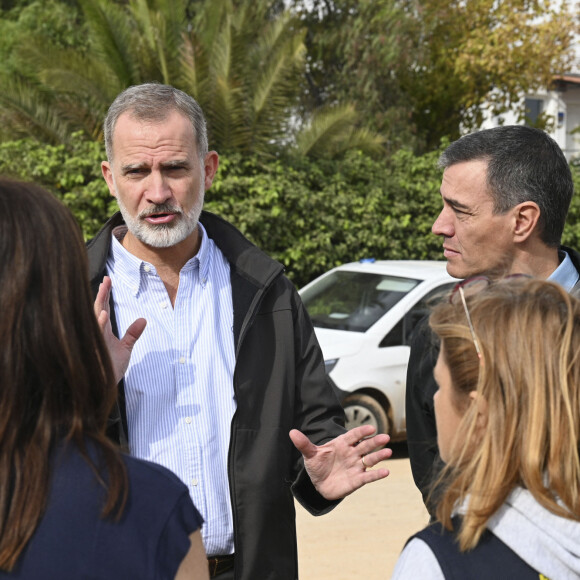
<point>179,384</point>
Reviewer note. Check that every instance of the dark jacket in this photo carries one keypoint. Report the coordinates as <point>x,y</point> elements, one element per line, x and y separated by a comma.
<point>279,384</point>
<point>420,414</point>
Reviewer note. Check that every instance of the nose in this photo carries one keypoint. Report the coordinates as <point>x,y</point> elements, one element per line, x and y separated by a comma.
<point>443,225</point>
<point>158,190</point>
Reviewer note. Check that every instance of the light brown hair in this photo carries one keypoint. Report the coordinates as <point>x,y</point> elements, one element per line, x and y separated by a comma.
<point>529,377</point>
<point>56,379</point>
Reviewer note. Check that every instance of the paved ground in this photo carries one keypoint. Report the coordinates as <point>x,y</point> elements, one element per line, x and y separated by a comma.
<point>362,538</point>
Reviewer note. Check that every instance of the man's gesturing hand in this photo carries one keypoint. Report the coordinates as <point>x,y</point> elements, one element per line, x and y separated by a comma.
<point>119,349</point>
<point>337,468</point>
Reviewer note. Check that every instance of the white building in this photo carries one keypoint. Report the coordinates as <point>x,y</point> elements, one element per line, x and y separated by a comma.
<point>561,104</point>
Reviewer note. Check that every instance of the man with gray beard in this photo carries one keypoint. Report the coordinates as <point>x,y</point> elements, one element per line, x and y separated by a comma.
<point>226,386</point>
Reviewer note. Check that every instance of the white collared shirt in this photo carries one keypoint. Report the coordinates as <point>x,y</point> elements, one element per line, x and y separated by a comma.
<point>179,384</point>
<point>565,274</point>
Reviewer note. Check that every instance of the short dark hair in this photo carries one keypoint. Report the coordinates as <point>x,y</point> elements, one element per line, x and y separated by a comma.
<point>524,164</point>
<point>154,102</point>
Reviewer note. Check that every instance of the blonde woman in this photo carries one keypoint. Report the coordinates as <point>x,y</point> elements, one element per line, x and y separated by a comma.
<point>508,424</point>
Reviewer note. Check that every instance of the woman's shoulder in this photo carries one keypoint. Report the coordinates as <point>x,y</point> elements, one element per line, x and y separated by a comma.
<point>151,484</point>
<point>417,560</point>
<point>154,492</point>
<point>146,472</point>
<point>157,521</point>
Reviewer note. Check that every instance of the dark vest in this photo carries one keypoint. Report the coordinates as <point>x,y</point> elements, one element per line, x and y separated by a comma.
<point>490,559</point>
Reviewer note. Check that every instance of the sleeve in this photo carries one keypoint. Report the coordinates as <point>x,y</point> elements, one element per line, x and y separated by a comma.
<point>174,541</point>
<point>420,414</point>
<point>318,413</point>
<point>417,560</point>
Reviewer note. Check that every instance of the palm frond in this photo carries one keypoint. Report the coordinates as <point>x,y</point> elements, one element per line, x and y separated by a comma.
<point>26,111</point>
<point>332,131</point>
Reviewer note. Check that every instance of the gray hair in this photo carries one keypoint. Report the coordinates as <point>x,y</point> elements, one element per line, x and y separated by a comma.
<point>523,164</point>
<point>154,102</point>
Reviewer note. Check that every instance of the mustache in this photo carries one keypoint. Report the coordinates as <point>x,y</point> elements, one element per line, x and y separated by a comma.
<point>159,208</point>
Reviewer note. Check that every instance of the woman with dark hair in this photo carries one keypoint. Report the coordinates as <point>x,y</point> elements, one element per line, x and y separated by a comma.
<point>71,505</point>
<point>508,429</point>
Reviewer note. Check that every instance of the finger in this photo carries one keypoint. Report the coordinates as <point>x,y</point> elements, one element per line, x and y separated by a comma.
<point>372,459</point>
<point>133,333</point>
<point>102,299</point>
<point>302,443</point>
<point>372,443</point>
<point>373,475</point>
<point>355,435</point>
<point>103,319</point>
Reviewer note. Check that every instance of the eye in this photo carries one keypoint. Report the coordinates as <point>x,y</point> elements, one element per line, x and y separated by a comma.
<point>135,171</point>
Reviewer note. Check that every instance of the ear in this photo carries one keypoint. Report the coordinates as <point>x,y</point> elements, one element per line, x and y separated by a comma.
<point>211,164</point>
<point>526,217</point>
<point>108,175</point>
<point>482,410</point>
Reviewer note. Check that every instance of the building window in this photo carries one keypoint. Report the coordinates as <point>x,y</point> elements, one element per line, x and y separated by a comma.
<point>534,108</point>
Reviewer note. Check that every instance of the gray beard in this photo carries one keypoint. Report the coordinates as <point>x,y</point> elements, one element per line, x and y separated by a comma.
<point>163,235</point>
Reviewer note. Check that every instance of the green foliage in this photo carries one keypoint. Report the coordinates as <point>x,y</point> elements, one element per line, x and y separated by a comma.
<point>355,48</point>
<point>243,66</point>
<point>418,70</point>
<point>73,174</point>
<point>50,21</point>
<point>242,60</point>
<point>59,89</point>
<point>394,73</point>
<point>571,235</point>
<point>311,215</point>
<point>470,53</point>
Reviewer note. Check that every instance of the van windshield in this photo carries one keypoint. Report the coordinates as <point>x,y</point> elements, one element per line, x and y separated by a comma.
<point>354,301</point>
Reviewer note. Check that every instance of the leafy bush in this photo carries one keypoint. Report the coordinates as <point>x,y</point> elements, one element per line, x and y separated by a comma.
<point>312,216</point>
<point>73,174</point>
<point>309,215</point>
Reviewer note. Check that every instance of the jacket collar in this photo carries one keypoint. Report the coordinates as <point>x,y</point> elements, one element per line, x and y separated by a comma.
<point>245,258</point>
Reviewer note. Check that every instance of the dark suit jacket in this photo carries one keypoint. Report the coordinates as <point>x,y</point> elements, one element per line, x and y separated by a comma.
<point>420,414</point>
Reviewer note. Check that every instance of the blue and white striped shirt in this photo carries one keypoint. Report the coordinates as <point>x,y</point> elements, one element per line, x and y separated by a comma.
<point>179,384</point>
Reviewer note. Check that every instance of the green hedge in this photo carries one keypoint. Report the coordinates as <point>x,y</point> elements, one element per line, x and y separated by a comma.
<point>312,216</point>
<point>309,215</point>
<point>73,175</point>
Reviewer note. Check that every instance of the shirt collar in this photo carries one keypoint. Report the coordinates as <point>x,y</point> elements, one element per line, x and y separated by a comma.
<point>565,274</point>
<point>202,259</point>
<point>130,269</point>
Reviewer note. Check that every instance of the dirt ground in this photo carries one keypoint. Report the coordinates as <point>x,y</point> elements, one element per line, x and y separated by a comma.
<point>363,537</point>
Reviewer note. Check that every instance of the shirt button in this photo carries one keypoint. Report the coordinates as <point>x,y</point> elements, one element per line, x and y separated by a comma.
<point>188,420</point>
<point>182,360</point>
<point>147,268</point>
<point>163,305</point>
<point>194,481</point>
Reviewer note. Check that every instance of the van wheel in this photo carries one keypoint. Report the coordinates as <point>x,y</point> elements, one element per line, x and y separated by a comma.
<point>364,410</point>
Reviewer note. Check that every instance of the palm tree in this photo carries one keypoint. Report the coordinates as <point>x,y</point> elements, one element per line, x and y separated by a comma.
<point>245,70</point>
<point>68,90</point>
<point>243,62</point>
